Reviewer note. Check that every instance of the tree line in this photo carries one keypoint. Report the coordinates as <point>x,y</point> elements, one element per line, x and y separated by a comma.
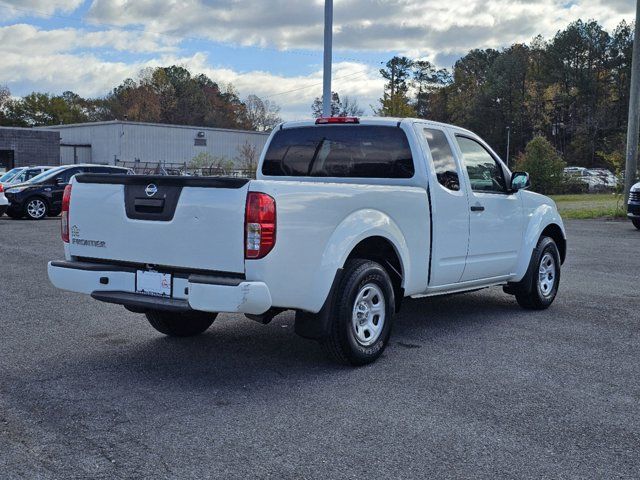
<point>159,95</point>
<point>572,89</point>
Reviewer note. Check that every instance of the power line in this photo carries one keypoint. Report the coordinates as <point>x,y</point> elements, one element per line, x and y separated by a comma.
<point>359,74</point>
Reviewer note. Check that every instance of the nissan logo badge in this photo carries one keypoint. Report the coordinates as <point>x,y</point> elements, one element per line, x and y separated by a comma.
<point>151,190</point>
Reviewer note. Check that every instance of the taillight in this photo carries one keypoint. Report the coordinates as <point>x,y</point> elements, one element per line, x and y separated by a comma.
<point>1,188</point>
<point>66,199</point>
<point>259,225</point>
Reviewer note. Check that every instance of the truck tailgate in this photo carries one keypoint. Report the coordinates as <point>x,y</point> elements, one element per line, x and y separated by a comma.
<point>184,222</point>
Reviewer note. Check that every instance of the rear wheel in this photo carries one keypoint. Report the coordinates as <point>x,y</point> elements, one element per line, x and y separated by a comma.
<point>362,314</point>
<point>186,324</point>
<point>636,223</point>
<point>539,287</point>
<point>36,208</point>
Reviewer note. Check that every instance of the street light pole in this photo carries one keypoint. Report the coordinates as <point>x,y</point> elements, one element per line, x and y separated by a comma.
<point>328,46</point>
<point>509,141</point>
<point>633,127</point>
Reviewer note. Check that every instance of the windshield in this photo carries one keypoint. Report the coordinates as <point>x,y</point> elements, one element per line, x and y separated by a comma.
<point>46,175</point>
<point>10,174</point>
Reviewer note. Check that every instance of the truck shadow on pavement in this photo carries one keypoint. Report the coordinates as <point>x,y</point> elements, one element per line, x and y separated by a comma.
<point>238,351</point>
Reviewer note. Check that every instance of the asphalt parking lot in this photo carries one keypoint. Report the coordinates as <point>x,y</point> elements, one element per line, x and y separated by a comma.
<point>470,387</point>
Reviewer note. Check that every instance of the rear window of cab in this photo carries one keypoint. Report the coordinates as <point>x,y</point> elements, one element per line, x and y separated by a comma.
<point>354,151</point>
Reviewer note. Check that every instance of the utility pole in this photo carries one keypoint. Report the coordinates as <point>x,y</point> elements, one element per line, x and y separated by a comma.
<point>633,128</point>
<point>328,49</point>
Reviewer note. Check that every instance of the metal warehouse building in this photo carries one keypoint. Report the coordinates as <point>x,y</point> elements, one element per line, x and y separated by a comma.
<point>124,141</point>
<point>21,147</point>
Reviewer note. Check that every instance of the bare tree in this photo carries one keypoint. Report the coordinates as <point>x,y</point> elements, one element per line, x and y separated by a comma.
<point>263,115</point>
<point>350,108</point>
<point>347,108</point>
<point>248,158</point>
<point>5,95</point>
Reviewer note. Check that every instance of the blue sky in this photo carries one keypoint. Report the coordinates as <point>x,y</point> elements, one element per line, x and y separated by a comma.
<point>269,48</point>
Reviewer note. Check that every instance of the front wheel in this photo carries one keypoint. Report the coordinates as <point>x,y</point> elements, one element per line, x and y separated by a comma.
<point>539,287</point>
<point>36,209</point>
<point>636,222</point>
<point>362,314</point>
<point>186,324</point>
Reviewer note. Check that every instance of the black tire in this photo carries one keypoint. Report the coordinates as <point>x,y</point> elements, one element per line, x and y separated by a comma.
<point>187,324</point>
<point>531,292</point>
<point>636,222</point>
<point>33,205</point>
<point>343,344</point>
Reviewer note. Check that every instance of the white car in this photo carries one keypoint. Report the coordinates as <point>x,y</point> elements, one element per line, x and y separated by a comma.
<point>346,218</point>
<point>595,181</point>
<point>21,175</point>
<point>4,203</point>
<point>26,174</point>
<point>608,178</point>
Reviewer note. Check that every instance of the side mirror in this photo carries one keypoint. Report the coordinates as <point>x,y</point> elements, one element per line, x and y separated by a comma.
<point>520,181</point>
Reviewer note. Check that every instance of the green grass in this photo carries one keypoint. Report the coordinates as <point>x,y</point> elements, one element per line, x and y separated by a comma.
<point>590,206</point>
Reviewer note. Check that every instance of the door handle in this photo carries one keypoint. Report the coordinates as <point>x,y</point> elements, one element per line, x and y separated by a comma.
<point>477,208</point>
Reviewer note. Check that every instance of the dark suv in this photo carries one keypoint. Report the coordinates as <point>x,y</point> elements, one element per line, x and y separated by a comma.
<point>41,196</point>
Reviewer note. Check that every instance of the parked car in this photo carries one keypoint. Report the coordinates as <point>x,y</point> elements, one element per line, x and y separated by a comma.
<point>8,175</point>
<point>633,209</point>
<point>25,174</point>
<point>608,177</point>
<point>346,218</point>
<point>4,203</point>
<point>42,195</point>
<point>594,181</point>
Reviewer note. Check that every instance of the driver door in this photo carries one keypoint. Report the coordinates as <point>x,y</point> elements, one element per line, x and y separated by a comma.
<point>496,222</point>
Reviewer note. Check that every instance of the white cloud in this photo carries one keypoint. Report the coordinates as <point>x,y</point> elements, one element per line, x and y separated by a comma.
<point>295,94</point>
<point>89,75</point>
<point>426,26</point>
<point>11,9</point>
<point>27,38</point>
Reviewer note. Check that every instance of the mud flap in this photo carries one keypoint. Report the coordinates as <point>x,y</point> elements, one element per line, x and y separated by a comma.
<point>316,326</point>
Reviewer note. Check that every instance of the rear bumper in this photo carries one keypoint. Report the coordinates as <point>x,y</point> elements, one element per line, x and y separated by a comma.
<point>117,284</point>
<point>633,210</point>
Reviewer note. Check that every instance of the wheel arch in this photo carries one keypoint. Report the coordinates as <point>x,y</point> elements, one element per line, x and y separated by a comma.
<point>383,251</point>
<point>372,235</point>
<point>543,220</point>
<point>554,231</point>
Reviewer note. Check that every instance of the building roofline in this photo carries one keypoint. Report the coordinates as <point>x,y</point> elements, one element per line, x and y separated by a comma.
<point>27,129</point>
<point>148,124</point>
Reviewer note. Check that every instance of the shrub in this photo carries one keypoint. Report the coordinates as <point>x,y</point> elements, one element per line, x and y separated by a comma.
<point>544,164</point>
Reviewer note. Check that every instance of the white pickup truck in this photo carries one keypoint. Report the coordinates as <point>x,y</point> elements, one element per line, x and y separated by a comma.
<point>346,218</point>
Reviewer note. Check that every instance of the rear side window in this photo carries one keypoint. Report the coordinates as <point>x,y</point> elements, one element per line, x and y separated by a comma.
<point>443,160</point>
<point>340,151</point>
